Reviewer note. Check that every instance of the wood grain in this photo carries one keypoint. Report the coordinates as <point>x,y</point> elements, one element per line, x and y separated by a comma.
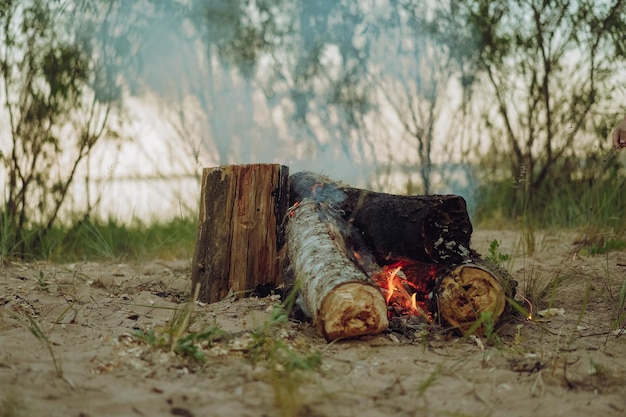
<point>241,209</point>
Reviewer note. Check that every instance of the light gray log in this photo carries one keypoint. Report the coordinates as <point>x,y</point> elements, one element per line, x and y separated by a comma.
<point>341,299</point>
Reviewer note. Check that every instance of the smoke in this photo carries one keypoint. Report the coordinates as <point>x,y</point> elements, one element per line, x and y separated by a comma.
<point>238,82</point>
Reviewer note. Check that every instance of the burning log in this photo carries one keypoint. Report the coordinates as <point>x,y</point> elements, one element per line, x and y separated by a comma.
<point>359,258</point>
<point>433,228</point>
<point>340,298</point>
<point>456,295</point>
<point>423,243</point>
<point>241,210</point>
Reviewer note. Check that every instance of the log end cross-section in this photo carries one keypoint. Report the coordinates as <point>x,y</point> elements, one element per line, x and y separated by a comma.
<point>351,310</point>
<point>470,291</point>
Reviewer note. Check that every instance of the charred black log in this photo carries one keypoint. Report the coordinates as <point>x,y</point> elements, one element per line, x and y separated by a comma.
<point>433,228</point>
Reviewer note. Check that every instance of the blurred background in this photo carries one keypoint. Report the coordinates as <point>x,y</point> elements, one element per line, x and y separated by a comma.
<point>109,109</point>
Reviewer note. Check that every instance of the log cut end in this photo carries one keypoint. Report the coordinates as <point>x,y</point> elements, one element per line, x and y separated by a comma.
<point>466,293</point>
<point>352,310</point>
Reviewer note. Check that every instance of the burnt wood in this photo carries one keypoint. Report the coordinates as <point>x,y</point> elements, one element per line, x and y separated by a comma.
<point>338,240</point>
<point>431,228</point>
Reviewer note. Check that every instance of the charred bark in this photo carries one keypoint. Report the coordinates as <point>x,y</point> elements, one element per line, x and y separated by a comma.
<point>434,228</point>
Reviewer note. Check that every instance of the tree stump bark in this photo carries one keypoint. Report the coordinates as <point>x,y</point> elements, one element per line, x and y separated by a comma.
<point>241,210</point>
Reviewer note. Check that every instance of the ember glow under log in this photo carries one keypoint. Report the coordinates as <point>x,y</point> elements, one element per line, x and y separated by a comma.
<point>452,295</point>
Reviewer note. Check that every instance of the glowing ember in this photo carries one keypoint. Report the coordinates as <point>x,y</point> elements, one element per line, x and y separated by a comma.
<point>405,296</point>
<point>291,209</point>
<point>315,188</point>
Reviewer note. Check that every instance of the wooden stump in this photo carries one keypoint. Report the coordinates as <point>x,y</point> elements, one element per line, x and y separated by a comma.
<point>241,210</point>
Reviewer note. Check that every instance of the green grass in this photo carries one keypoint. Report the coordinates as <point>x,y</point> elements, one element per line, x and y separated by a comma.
<point>494,255</point>
<point>11,404</point>
<point>594,207</point>
<point>565,205</point>
<point>107,239</point>
<point>190,345</point>
<point>595,203</point>
<point>30,323</point>
<point>289,368</point>
<point>603,244</point>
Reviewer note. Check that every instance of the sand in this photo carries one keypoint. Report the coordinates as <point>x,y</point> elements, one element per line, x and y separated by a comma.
<point>570,362</point>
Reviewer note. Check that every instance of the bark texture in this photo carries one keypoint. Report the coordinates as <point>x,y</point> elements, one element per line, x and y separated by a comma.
<point>241,210</point>
<point>341,299</point>
<point>434,228</point>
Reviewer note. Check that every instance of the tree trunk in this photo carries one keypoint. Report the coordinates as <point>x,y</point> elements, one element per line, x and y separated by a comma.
<point>340,298</point>
<point>241,211</point>
<point>434,228</point>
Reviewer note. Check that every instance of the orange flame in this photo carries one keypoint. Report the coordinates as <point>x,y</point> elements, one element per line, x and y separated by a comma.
<point>293,208</point>
<point>395,287</point>
<point>392,285</point>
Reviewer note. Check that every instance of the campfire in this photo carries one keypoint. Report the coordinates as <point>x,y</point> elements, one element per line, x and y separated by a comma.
<point>406,295</point>
<point>357,258</point>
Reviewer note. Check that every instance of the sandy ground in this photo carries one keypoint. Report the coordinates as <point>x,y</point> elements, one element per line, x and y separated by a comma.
<point>88,314</point>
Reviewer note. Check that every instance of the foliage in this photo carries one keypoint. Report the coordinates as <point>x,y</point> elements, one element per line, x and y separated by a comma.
<point>335,68</point>
<point>606,245</point>
<point>287,364</point>
<point>401,86</point>
<point>58,101</point>
<point>175,336</point>
<point>494,254</point>
<point>110,240</point>
<point>577,198</point>
<point>11,404</point>
<point>277,352</point>
<point>485,326</point>
<point>414,86</point>
<point>40,335</point>
<point>549,67</point>
<point>189,345</point>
